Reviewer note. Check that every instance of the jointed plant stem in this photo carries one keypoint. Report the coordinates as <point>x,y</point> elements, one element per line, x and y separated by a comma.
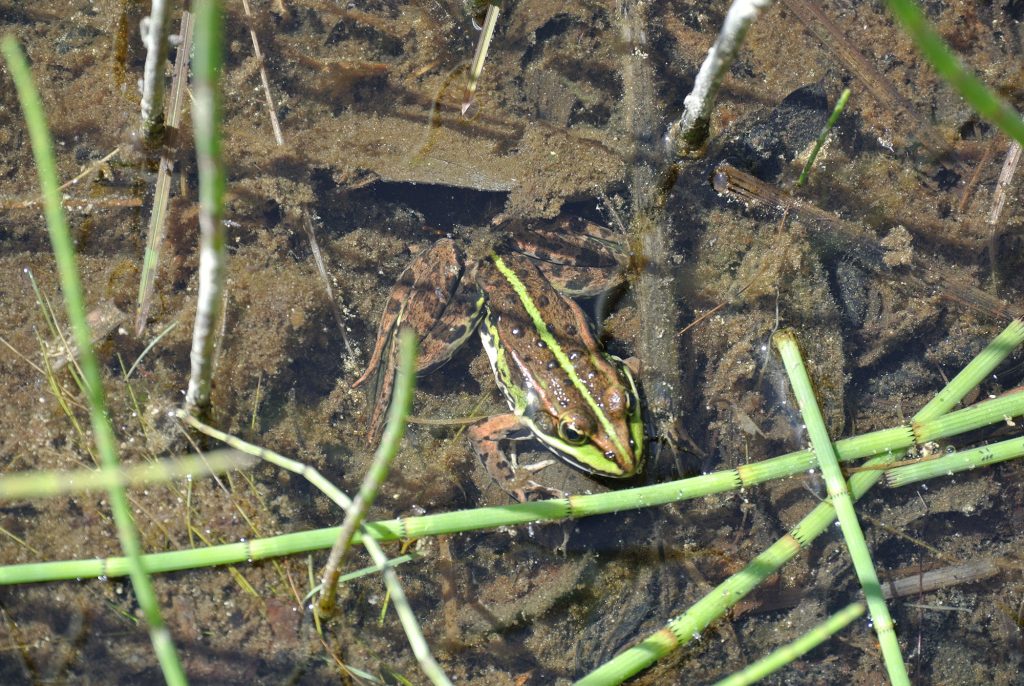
<point>786,654</point>
<point>63,250</point>
<point>786,343</point>
<point>206,118</point>
<point>689,625</point>
<point>995,410</point>
<point>837,111</point>
<point>378,472</point>
<point>46,484</point>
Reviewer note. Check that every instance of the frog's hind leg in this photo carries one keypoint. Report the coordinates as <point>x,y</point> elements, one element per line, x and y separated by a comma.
<point>458,321</point>
<point>431,295</point>
<point>579,258</point>
<point>418,298</point>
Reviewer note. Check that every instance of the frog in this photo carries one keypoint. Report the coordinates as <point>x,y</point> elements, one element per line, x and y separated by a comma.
<point>562,388</point>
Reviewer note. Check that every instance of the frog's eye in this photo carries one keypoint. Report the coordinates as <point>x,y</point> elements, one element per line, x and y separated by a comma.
<point>569,433</point>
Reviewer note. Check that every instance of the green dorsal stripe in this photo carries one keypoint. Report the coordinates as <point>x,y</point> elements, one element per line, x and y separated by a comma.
<point>563,360</point>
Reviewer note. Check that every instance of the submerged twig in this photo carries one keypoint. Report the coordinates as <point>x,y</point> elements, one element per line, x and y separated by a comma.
<point>986,157</point>
<point>274,123</point>
<point>318,259</point>
<point>206,118</point>
<point>1003,184</point>
<point>952,575</point>
<point>998,202</point>
<point>689,134</point>
<point>91,169</point>
<point>158,217</point>
<point>154,35</point>
<point>480,55</point>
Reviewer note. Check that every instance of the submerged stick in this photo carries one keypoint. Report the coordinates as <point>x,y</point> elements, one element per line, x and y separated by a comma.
<point>206,118</point>
<point>271,109</point>
<point>689,134</point>
<point>154,35</point>
<point>864,566</point>
<point>158,216</point>
<point>480,55</point>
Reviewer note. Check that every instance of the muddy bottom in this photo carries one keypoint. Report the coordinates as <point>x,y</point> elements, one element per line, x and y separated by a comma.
<point>892,273</point>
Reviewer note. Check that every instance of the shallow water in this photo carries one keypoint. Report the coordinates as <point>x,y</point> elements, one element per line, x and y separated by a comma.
<point>568,119</point>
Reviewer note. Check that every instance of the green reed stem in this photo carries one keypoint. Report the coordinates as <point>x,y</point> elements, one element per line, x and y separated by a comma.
<point>984,413</point>
<point>960,461</point>
<point>978,369</point>
<point>63,251</point>
<point>206,118</point>
<point>402,399</point>
<point>780,657</point>
<point>387,450</point>
<point>977,94</point>
<point>689,625</point>
<point>823,136</point>
<point>864,566</point>
<point>683,628</point>
<point>47,484</point>
<point>981,414</point>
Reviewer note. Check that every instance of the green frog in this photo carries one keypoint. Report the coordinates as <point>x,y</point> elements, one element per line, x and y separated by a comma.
<point>562,388</point>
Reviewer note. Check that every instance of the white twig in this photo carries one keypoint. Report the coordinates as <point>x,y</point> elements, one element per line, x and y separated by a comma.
<point>206,119</point>
<point>689,133</point>
<point>263,77</point>
<point>1005,179</point>
<point>154,35</point>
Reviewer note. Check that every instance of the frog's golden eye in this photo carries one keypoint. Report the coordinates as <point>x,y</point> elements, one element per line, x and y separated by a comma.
<point>629,400</point>
<point>569,433</point>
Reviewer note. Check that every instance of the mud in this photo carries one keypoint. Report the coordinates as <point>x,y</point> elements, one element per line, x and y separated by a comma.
<point>377,153</point>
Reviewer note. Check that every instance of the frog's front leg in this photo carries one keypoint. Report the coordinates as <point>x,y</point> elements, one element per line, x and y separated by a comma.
<point>486,437</point>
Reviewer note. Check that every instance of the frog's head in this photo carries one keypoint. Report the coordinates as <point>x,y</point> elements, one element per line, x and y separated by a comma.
<point>600,429</point>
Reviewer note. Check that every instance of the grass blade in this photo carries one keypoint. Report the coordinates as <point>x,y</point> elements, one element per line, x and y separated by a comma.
<point>63,250</point>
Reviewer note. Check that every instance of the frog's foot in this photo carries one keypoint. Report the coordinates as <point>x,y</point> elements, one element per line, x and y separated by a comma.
<point>440,304</point>
<point>486,437</point>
